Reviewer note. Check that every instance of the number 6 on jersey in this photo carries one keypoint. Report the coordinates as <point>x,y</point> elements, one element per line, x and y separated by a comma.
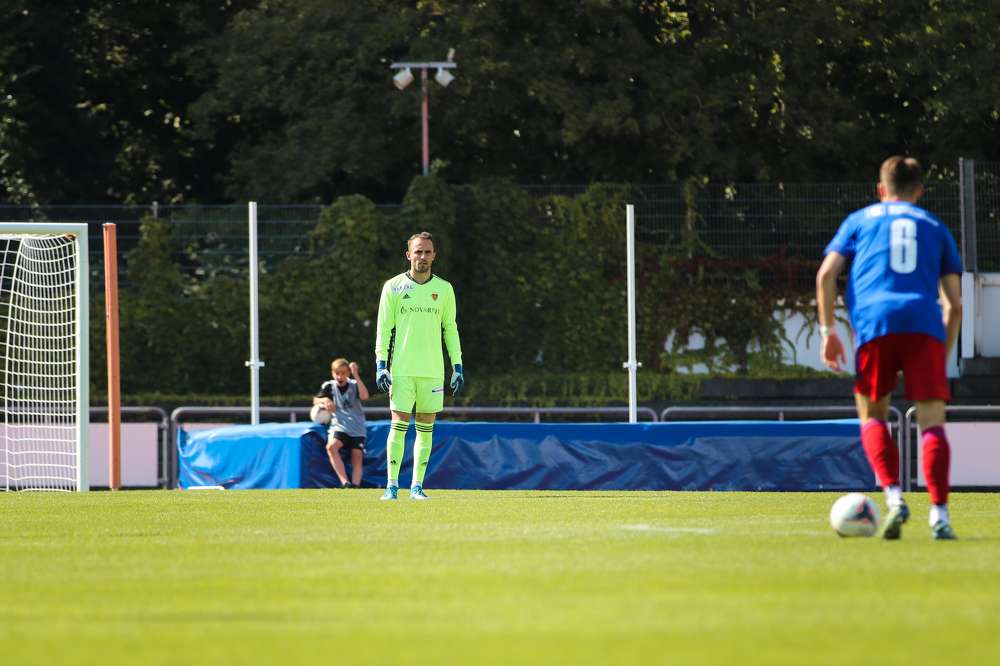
<point>903,245</point>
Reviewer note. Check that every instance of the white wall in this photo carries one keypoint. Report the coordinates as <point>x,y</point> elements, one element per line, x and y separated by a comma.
<point>140,454</point>
<point>804,346</point>
<point>987,315</point>
<point>807,344</point>
<point>975,454</point>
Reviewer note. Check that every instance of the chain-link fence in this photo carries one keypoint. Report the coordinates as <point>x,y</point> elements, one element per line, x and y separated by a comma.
<point>715,265</point>
<point>214,235</point>
<point>986,214</point>
<point>781,227</point>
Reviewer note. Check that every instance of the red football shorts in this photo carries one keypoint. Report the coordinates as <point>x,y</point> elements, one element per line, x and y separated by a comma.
<point>920,357</point>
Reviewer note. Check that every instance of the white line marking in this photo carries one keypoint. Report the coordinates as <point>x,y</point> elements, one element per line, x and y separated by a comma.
<point>710,531</point>
<point>643,527</point>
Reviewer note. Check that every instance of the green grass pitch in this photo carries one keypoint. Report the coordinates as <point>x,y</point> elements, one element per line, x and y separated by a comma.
<point>338,577</point>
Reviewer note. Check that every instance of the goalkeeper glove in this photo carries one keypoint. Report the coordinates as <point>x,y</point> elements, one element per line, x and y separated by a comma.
<point>457,379</point>
<point>383,380</point>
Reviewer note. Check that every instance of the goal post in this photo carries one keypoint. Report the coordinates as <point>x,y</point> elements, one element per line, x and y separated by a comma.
<point>44,356</point>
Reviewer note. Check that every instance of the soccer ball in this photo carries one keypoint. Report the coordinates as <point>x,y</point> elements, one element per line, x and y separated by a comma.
<point>854,514</point>
<point>319,414</point>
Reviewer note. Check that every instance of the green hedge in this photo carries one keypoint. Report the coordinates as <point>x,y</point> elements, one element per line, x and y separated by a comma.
<point>541,291</point>
<point>594,389</point>
<point>522,389</point>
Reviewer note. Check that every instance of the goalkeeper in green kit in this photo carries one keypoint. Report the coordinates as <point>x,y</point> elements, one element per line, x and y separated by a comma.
<point>417,308</point>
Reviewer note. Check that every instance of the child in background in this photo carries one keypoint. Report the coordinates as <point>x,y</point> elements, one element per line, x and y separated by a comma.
<point>342,396</point>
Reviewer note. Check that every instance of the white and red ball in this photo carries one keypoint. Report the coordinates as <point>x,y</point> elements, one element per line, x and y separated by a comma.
<point>320,414</point>
<point>854,515</point>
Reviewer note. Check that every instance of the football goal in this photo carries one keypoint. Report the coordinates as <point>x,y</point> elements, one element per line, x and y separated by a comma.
<point>44,373</point>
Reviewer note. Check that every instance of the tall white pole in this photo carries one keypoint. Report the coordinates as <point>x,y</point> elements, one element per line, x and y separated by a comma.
<point>632,365</point>
<point>83,359</point>
<point>254,363</point>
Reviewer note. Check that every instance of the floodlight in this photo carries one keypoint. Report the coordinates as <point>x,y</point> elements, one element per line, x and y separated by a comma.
<point>444,77</point>
<point>403,79</point>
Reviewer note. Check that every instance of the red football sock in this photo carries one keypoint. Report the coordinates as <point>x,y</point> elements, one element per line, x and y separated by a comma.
<point>882,453</point>
<point>937,461</point>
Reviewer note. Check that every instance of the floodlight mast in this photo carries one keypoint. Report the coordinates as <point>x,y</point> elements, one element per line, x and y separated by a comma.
<point>405,78</point>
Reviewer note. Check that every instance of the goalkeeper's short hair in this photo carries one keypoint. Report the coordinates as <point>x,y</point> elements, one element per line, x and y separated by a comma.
<point>426,235</point>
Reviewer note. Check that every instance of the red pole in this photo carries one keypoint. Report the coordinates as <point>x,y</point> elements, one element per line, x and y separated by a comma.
<point>114,383</point>
<point>424,113</point>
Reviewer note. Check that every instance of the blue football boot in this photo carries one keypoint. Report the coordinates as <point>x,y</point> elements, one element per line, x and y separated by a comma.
<point>942,531</point>
<point>892,526</point>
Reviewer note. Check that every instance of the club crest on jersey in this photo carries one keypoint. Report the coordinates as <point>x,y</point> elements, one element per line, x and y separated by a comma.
<point>434,296</point>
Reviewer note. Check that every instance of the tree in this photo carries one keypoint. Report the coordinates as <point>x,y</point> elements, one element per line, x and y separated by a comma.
<point>94,101</point>
<point>316,308</point>
<point>291,100</point>
<point>298,97</point>
<point>557,92</point>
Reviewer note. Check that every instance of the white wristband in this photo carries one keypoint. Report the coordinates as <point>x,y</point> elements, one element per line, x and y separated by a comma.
<point>825,331</point>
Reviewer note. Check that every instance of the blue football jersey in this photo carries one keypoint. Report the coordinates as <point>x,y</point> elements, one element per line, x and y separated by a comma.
<point>898,254</point>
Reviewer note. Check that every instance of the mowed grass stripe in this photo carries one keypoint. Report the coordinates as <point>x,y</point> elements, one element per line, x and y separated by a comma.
<point>163,577</point>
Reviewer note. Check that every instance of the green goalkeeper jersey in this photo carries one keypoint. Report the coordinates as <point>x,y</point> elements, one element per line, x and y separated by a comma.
<point>420,314</point>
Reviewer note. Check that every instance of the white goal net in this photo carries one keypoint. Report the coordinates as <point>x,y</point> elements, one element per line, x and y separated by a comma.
<point>43,356</point>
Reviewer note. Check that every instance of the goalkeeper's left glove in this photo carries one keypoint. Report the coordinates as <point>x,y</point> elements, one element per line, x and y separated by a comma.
<point>457,379</point>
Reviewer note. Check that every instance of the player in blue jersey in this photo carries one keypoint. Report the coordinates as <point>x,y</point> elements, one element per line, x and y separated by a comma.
<point>901,259</point>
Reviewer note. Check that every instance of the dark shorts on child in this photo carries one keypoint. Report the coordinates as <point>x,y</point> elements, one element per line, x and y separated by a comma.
<point>350,443</point>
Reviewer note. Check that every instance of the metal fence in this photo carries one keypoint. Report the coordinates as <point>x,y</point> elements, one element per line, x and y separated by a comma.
<point>778,230</point>
<point>216,235</point>
<point>736,221</point>
<point>776,224</point>
<point>744,220</point>
<point>980,213</point>
<point>911,438</point>
<point>166,451</point>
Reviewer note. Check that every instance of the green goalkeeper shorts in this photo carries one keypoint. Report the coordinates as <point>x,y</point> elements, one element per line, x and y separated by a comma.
<point>423,393</point>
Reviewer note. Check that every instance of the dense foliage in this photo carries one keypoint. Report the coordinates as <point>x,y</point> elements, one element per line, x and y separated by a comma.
<point>105,101</point>
<point>127,101</point>
<point>540,283</point>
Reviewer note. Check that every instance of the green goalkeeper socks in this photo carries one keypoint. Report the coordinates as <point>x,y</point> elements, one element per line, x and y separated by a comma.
<point>394,448</point>
<point>422,452</point>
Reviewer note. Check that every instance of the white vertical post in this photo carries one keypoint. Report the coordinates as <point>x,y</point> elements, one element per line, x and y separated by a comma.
<point>969,298</point>
<point>254,363</point>
<point>632,365</point>
<point>82,359</point>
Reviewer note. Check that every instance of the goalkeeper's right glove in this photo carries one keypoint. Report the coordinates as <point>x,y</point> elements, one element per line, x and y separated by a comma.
<point>457,379</point>
<point>383,380</point>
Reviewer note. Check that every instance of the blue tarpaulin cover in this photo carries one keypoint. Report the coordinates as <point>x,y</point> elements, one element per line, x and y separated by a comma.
<point>703,455</point>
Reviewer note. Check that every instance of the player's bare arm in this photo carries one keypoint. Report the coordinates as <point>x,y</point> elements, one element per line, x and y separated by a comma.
<point>356,373</point>
<point>951,297</point>
<point>325,403</point>
<point>826,297</point>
